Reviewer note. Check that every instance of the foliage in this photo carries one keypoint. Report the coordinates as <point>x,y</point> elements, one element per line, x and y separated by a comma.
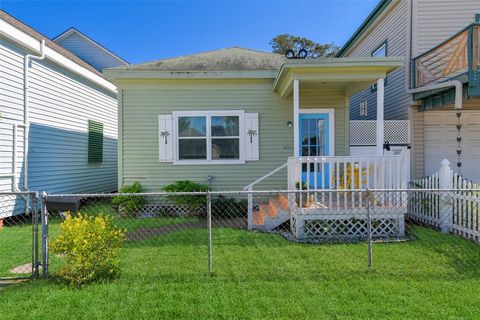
<point>160,281</point>
<point>91,245</point>
<point>284,42</point>
<point>194,202</point>
<point>304,185</point>
<point>129,205</point>
<point>229,207</point>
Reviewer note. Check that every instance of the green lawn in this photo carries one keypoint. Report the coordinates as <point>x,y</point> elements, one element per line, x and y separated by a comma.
<point>265,276</point>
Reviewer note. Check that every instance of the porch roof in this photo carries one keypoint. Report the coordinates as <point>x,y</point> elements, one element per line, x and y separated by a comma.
<point>350,74</point>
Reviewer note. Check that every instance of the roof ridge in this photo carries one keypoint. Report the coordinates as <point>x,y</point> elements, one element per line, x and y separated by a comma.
<point>200,53</point>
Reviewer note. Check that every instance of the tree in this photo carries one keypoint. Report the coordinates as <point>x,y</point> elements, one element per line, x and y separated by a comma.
<point>283,42</point>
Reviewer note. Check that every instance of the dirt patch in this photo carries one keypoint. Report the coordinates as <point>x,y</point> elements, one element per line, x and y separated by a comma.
<point>22,269</point>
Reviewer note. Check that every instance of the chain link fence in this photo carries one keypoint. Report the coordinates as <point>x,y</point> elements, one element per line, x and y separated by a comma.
<point>263,234</point>
<point>19,235</point>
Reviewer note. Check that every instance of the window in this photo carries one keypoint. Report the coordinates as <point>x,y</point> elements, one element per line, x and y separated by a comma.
<point>95,141</point>
<point>380,51</point>
<point>209,136</point>
<point>477,17</point>
<point>363,108</point>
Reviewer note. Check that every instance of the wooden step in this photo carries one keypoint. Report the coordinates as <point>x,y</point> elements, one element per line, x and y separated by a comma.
<point>284,201</point>
<point>273,207</point>
<point>259,218</point>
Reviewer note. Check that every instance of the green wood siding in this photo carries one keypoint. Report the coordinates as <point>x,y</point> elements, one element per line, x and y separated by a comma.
<point>95,141</point>
<point>143,102</point>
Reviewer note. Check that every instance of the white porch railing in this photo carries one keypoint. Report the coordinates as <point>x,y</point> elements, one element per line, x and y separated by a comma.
<point>342,173</point>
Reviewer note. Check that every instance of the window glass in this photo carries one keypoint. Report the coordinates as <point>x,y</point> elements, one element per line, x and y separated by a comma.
<point>189,149</point>
<point>192,126</point>
<point>225,148</point>
<point>381,51</point>
<point>225,126</point>
<point>221,142</point>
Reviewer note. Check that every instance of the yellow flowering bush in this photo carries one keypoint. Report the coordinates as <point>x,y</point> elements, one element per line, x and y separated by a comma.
<point>91,246</point>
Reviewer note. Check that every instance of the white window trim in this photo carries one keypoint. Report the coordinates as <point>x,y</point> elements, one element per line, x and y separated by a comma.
<point>331,127</point>
<point>209,114</point>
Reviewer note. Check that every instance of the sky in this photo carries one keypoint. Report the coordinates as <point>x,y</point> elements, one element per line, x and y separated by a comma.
<point>140,31</point>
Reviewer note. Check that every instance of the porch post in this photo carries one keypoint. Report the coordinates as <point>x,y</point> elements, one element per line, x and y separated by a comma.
<point>380,115</point>
<point>296,111</point>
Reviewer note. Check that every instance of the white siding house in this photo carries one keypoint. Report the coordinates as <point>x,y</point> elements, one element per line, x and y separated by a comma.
<point>88,50</point>
<point>64,95</point>
<point>412,28</point>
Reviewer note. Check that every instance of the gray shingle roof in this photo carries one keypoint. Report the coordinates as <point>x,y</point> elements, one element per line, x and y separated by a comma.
<point>218,60</point>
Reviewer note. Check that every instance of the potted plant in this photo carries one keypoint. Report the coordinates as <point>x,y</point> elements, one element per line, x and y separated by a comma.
<point>303,199</point>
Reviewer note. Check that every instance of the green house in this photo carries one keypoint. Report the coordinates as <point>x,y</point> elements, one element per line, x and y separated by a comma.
<point>237,118</point>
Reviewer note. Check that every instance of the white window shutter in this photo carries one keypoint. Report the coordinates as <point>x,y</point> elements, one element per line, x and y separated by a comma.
<point>165,137</point>
<point>252,137</point>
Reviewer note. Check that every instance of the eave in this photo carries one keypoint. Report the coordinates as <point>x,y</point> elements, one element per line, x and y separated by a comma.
<point>353,73</point>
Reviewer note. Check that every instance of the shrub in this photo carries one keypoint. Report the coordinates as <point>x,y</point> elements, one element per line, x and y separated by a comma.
<point>194,203</point>
<point>91,245</point>
<point>129,205</point>
<point>229,207</point>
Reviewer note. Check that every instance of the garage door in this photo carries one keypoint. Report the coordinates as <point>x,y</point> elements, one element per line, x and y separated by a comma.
<point>440,141</point>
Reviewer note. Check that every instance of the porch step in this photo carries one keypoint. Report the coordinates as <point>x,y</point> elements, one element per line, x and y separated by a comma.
<point>284,201</point>
<point>271,215</point>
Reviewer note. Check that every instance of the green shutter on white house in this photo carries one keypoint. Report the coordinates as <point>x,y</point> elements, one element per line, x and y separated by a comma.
<point>95,141</point>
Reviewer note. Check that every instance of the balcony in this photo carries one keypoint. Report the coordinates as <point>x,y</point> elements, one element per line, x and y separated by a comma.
<point>456,58</point>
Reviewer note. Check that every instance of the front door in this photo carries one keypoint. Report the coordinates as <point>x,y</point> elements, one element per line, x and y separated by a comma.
<point>315,142</point>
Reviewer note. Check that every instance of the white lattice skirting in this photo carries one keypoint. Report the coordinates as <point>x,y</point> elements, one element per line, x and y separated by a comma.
<point>346,226</point>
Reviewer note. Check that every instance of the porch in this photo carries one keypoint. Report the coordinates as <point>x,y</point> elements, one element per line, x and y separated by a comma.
<point>327,186</point>
<point>329,198</point>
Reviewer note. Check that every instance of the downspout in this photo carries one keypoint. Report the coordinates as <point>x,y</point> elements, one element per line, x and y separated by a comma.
<point>408,60</point>
<point>443,85</point>
<point>26,123</point>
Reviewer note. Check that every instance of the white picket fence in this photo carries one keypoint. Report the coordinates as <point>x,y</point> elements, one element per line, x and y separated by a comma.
<point>454,208</point>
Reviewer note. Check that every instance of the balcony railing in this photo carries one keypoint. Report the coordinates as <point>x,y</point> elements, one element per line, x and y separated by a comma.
<point>456,56</point>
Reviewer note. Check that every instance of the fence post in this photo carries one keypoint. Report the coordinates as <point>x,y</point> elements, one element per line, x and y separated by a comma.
<point>250,209</point>
<point>209,227</point>
<point>369,229</point>
<point>44,235</point>
<point>445,182</point>
<point>35,236</point>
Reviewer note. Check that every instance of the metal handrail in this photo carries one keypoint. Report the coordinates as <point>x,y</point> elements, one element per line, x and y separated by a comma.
<point>266,176</point>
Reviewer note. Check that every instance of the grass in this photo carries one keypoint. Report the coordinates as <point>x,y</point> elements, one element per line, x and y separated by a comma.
<point>260,275</point>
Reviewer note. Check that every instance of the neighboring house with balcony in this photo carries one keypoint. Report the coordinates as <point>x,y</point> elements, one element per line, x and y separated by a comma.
<point>440,42</point>
<point>58,114</point>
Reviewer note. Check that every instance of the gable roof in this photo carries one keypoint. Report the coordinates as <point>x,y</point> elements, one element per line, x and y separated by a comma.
<point>72,31</point>
<point>227,59</point>
<point>49,43</point>
<point>377,11</point>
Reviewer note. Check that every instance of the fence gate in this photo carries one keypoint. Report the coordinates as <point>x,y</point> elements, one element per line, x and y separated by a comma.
<point>19,239</point>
